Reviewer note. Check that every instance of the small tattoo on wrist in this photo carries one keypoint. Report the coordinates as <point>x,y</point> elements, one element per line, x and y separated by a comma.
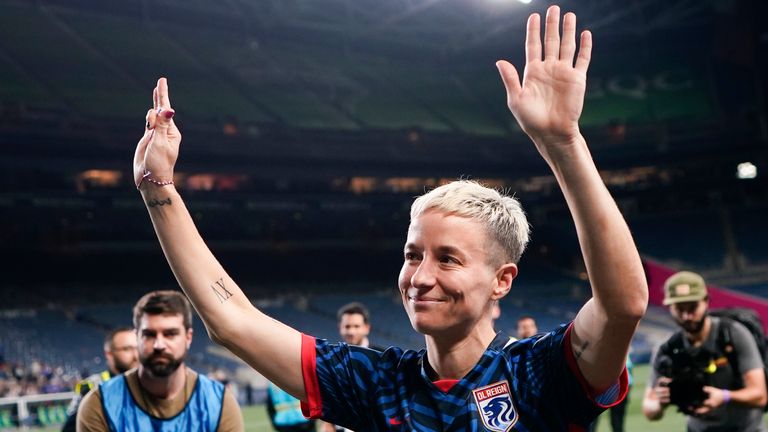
<point>159,202</point>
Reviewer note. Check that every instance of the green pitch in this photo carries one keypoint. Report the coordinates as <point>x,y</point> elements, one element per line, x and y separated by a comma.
<point>255,418</point>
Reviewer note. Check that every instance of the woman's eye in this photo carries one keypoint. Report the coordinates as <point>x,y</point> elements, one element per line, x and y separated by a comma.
<point>410,256</point>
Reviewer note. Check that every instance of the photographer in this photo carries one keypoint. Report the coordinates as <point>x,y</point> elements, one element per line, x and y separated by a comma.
<point>711,369</point>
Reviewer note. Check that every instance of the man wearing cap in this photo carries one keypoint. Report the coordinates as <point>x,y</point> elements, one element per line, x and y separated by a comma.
<point>718,351</point>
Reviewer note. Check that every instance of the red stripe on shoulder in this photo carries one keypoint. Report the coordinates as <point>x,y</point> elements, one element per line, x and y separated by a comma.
<point>570,358</point>
<point>313,407</point>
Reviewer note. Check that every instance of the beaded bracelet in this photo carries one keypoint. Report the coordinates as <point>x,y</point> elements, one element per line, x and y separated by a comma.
<point>146,176</point>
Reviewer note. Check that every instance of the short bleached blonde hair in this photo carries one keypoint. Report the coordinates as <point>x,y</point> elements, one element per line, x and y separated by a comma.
<point>502,215</point>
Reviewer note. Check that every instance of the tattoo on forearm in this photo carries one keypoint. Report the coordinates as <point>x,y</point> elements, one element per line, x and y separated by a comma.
<point>221,291</point>
<point>580,350</point>
<point>159,202</point>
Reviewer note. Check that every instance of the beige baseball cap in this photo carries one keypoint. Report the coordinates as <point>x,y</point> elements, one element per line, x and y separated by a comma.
<point>683,287</point>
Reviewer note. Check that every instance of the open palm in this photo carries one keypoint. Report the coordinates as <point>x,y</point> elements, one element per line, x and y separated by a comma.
<point>548,104</point>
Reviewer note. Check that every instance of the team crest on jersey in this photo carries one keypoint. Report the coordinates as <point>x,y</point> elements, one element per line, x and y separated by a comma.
<point>494,402</point>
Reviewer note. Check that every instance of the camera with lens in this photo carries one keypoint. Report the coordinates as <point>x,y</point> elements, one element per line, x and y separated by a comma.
<point>688,374</point>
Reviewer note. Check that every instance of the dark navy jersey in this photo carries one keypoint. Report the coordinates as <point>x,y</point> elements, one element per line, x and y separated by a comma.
<point>528,385</point>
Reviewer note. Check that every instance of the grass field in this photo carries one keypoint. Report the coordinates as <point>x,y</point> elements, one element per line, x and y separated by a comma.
<point>255,417</point>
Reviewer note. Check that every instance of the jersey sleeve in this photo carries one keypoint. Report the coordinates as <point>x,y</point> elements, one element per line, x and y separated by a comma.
<point>340,381</point>
<point>744,345</point>
<point>552,367</point>
<point>606,399</point>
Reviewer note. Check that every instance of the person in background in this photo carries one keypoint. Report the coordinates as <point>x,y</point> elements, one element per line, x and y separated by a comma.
<point>721,352</point>
<point>354,323</point>
<point>284,411</point>
<point>526,327</point>
<point>121,354</point>
<point>162,393</point>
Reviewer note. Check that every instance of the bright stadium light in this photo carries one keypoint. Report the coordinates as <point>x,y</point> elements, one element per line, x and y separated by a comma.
<point>524,1</point>
<point>746,170</point>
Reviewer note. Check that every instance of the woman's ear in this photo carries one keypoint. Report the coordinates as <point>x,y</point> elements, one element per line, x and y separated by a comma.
<point>504,277</point>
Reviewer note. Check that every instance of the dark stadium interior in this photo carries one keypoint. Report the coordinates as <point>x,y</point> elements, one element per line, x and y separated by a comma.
<point>310,126</point>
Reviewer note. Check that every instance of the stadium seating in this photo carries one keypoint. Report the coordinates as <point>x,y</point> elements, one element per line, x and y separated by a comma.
<point>50,336</point>
<point>691,238</point>
<point>83,81</point>
<point>751,232</point>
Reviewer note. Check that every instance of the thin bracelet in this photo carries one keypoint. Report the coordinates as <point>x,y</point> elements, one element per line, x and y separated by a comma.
<point>726,396</point>
<point>146,176</point>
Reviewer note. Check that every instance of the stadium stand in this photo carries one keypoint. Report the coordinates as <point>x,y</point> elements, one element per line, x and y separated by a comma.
<point>682,238</point>
<point>750,230</point>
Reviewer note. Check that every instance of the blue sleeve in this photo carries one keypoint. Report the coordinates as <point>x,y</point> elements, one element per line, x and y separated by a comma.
<point>553,383</point>
<point>346,382</point>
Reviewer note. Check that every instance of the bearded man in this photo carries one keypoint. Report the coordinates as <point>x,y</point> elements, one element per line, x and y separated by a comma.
<point>162,393</point>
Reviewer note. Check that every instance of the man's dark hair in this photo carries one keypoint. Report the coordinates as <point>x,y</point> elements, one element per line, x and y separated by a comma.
<point>353,308</point>
<point>109,339</point>
<point>525,317</point>
<point>163,302</point>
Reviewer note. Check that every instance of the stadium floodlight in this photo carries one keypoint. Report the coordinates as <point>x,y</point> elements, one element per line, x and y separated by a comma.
<point>746,170</point>
<point>524,1</point>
